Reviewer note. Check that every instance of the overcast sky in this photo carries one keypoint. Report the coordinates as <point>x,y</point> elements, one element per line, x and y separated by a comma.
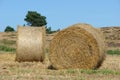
<point>61,13</point>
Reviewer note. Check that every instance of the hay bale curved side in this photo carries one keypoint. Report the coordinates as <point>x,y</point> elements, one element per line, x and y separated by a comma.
<point>30,44</point>
<point>78,46</point>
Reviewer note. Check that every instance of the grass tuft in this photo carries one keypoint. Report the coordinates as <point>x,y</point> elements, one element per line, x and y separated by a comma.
<point>105,72</point>
<point>112,52</point>
<point>7,49</point>
<point>88,71</point>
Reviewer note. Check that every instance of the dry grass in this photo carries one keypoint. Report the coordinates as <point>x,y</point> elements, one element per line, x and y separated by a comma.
<point>8,36</point>
<point>112,62</point>
<point>11,70</point>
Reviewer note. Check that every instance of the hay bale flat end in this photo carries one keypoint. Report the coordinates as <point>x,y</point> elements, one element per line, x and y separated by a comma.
<point>30,44</point>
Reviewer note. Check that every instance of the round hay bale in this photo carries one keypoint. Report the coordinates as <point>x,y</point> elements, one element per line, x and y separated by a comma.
<point>30,44</point>
<point>78,46</point>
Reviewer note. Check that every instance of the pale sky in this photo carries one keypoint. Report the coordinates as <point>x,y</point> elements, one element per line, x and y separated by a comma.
<point>61,13</point>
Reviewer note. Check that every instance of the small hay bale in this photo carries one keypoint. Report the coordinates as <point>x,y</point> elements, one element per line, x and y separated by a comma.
<point>78,46</point>
<point>30,44</point>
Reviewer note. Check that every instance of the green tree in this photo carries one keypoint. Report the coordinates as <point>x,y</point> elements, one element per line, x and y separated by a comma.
<point>35,19</point>
<point>9,29</point>
<point>50,31</point>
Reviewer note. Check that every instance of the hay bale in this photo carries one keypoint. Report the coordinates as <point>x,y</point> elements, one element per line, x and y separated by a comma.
<point>78,46</point>
<point>30,44</point>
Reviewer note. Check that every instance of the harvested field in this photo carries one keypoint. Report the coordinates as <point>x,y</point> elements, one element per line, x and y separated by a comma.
<point>11,70</point>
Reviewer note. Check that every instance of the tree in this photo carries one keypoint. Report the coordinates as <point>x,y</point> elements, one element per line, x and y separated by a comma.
<point>9,29</point>
<point>35,19</point>
<point>49,30</point>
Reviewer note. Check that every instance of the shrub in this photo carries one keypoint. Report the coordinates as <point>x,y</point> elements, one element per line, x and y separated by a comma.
<point>6,48</point>
<point>112,52</point>
<point>9,29</point>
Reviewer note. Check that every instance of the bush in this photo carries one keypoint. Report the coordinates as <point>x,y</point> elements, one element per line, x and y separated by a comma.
<point>112,52</point>
<point>50,31</point>
<point>9,29</point>
<point>7,49</point>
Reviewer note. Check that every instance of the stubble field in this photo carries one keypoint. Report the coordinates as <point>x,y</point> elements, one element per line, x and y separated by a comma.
<point>11,70</point>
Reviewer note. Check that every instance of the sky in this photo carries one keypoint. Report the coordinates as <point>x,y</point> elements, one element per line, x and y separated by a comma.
<point>61,13</point>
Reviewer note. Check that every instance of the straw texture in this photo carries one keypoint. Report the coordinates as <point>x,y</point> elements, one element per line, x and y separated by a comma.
<point>30,44</point>
<point>78,46</point>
